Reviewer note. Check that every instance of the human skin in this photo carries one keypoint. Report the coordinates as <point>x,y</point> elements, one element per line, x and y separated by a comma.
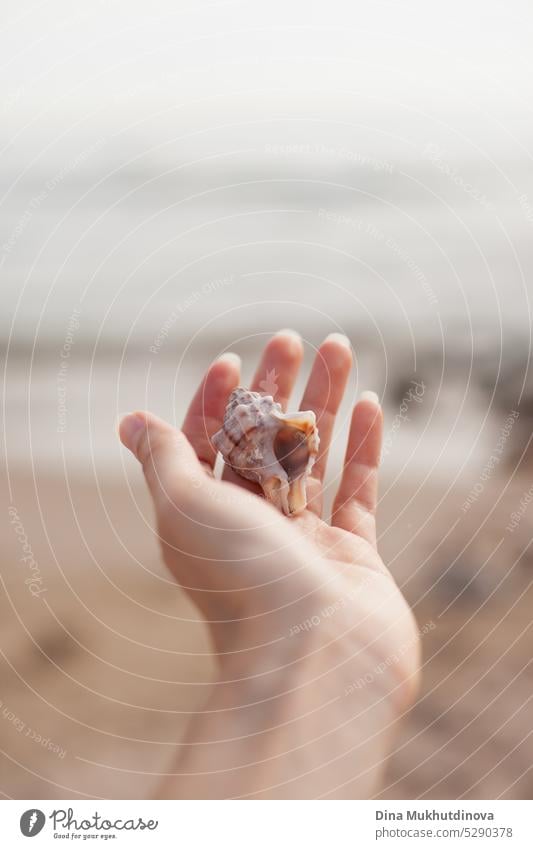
<point>317,651</point>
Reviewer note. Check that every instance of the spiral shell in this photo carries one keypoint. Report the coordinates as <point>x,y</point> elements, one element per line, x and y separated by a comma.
<point>275,449</point>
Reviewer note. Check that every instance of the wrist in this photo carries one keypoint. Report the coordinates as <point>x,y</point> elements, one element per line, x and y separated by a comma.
<point>315,643</point>
<point>254,624</point>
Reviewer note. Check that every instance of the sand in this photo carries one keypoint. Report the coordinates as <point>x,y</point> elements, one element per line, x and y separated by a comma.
<point>103,665</point>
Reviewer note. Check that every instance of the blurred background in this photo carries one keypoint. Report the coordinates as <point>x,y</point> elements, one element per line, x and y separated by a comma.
<point>178,182</point>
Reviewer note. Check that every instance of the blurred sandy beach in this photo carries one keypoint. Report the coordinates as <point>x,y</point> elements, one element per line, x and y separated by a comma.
<point>105,665</point>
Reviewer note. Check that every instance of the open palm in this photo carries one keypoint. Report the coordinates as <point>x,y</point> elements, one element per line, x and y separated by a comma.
<point>241,560</point>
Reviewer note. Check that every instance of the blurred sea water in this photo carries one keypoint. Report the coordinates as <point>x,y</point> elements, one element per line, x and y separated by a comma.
<point>330,244</point>
<point>119,289</point>
<point>174,184</point>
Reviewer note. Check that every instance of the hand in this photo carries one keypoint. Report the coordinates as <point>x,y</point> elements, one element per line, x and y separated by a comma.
<point>283,593</point>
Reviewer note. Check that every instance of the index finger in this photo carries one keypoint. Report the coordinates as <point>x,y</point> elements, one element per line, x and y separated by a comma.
<point>206,411</point>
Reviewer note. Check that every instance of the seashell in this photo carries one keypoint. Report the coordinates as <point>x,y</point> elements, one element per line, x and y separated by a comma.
<point>275,449</point>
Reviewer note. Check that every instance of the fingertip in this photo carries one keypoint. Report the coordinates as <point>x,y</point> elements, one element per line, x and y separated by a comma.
<point>167,457</point>
<point>370,397</point>
<point>288,331</point>
<point>367,410</point>
<point>290,337</point>
<point>366,431</point>
<point>224,373</point>
<point>229,358</point>
<point>339,339</point>
<point>289,344</point>
<point>130,428</point>
<point>337,351</point>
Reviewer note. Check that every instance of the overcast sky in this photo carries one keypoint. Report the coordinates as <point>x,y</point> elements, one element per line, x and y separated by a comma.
<point>65,60</point>
<point>114,112</point>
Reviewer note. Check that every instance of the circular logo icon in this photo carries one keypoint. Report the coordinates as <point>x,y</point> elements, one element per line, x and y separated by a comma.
<point>32,822</point>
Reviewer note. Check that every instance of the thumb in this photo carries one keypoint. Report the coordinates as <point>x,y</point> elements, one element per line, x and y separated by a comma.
<point>168,459</point>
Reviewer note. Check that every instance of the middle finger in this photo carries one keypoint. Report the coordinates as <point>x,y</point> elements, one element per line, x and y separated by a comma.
<point>323,394</point>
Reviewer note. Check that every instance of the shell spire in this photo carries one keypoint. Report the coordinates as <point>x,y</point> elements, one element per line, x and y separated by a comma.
<point>275,449</point>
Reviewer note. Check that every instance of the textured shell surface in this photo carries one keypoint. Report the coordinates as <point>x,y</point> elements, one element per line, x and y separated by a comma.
<point>275,449</point>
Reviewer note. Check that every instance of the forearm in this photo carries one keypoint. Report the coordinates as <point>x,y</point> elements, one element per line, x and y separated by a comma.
<point>290,725</point>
